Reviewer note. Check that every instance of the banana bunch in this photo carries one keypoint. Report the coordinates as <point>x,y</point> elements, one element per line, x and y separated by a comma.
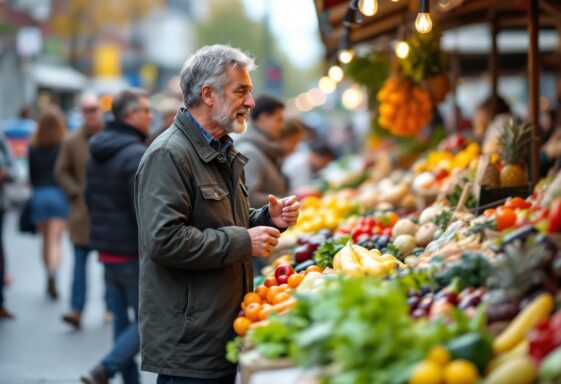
<point>354,260</point>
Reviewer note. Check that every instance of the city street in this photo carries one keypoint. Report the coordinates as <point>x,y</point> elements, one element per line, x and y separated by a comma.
<point>37,347</point>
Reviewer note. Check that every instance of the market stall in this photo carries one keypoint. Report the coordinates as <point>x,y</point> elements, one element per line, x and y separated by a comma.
<point>440,266</point>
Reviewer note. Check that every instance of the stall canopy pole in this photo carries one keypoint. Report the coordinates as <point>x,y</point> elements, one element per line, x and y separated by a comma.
<point>533,78</point>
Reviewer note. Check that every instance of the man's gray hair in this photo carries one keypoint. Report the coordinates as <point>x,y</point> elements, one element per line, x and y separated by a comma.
<point>125,101</point>
<point>209,66</point>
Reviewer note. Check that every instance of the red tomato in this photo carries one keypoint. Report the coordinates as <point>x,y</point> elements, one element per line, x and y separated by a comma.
<point>541,340</point>
<point>555,216</point>
<point>505,218</point>
<point>555,324</point>
<point>517,203</point>
<point>371,221</point>
<point>441,174</point>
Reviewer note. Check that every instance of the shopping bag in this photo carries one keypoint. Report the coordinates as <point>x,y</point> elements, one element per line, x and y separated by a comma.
<point>26,225</point>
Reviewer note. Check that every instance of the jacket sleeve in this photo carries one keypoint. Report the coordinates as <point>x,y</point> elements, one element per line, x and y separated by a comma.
<point>163,207</point>
<point>63,172</point>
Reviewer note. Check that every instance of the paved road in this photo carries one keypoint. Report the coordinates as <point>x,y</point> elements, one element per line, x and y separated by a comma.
<point>37,347</point>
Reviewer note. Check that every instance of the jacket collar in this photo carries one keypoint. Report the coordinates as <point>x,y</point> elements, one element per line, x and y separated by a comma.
<point>122,127</point>
<point>204,150</point>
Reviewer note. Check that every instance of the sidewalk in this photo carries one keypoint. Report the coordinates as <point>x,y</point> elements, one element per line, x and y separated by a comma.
<point>37,347</point>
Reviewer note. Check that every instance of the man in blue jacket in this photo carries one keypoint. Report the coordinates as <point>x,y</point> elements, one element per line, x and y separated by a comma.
<point>114,157</point>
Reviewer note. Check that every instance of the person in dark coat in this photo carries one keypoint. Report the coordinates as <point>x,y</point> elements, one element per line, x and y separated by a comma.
<point>49,206</point>
<point>114,157</point>
<point>197,233</point>
<point>260,145</point>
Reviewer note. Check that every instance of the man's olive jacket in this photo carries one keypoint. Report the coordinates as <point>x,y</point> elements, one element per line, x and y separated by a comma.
<point>195,263</point>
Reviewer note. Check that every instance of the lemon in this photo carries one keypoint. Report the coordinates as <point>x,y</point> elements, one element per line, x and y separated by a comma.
<point>461,372</point>
<point>439,355</point>
<point>426,372</point>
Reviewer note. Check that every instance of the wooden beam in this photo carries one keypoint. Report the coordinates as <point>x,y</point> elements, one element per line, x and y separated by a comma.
<point>533,78</point>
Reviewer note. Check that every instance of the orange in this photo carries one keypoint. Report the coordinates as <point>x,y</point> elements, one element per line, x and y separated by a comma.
<point>313,268</point>
<point>272,292</point>
<point>295,279</point>
<point>241,325</point>
<point>251,297</point>
<point>261,290</point>
<point>252,311</point>
<point>283,287</point>
<point>280,297</point>
<point>505,218</point>
<point>263,314</point>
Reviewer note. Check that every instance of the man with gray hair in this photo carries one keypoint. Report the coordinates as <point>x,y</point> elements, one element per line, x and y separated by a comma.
<point>114,157</point>
<point>197,234</point>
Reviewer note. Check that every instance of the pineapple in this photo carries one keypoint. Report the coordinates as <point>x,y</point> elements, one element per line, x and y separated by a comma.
<point>521,270</point>
<point>514,140</point>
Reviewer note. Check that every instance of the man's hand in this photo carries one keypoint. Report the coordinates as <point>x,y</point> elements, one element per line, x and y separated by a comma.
<point>284,212</point>
<point>263,240</point>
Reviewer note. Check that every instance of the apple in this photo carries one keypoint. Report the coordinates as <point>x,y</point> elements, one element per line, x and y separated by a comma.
<point>282,273</point>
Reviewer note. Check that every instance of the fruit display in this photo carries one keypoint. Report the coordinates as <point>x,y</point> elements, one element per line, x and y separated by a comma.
<point>404,108</point>
<point>372,290</point>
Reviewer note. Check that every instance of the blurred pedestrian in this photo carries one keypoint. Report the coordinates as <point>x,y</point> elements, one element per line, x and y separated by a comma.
<point>302,168</point>
<point>70,172</point>
<point>193,217</point>
<point>7,174</point>
<point>291,136</point>
<point>49,207</point>
<point>114,157</point>
<point>21,127</point>
<point>260,146</point>
<point>167,109</point>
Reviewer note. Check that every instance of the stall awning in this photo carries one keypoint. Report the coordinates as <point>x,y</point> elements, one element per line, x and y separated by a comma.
<point>58,77</point>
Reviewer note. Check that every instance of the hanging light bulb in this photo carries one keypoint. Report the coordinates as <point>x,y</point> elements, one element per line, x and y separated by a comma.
<point>423,23</point>
<point>402,50</point>
<point>368,7</point>
<point>346,56</point>
<point>336,73</point>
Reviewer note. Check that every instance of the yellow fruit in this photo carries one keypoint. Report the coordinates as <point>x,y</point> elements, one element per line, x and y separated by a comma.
<point>439,355</point>
<point>461,372</point>
<point>426,372</point>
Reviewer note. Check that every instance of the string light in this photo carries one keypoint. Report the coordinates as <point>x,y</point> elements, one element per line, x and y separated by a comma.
<point>368,7</point>
<point>327,84</point>
<point>346,56</point>
<point>423,23</point>
<point>335,73</point>
<point>345,53</point>
<point>402,49</point>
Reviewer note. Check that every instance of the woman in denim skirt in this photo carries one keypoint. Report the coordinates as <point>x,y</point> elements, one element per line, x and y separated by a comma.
<point>49,207</point>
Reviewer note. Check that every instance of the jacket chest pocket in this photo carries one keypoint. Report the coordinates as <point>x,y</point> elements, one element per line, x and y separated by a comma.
<point>213,192</point>
<point>213,205</point>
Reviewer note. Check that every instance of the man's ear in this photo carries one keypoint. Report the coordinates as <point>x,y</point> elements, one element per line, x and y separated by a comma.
<point>207,95</point>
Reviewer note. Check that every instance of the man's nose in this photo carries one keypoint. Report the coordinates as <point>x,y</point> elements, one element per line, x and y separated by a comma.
<point>248,101</point>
